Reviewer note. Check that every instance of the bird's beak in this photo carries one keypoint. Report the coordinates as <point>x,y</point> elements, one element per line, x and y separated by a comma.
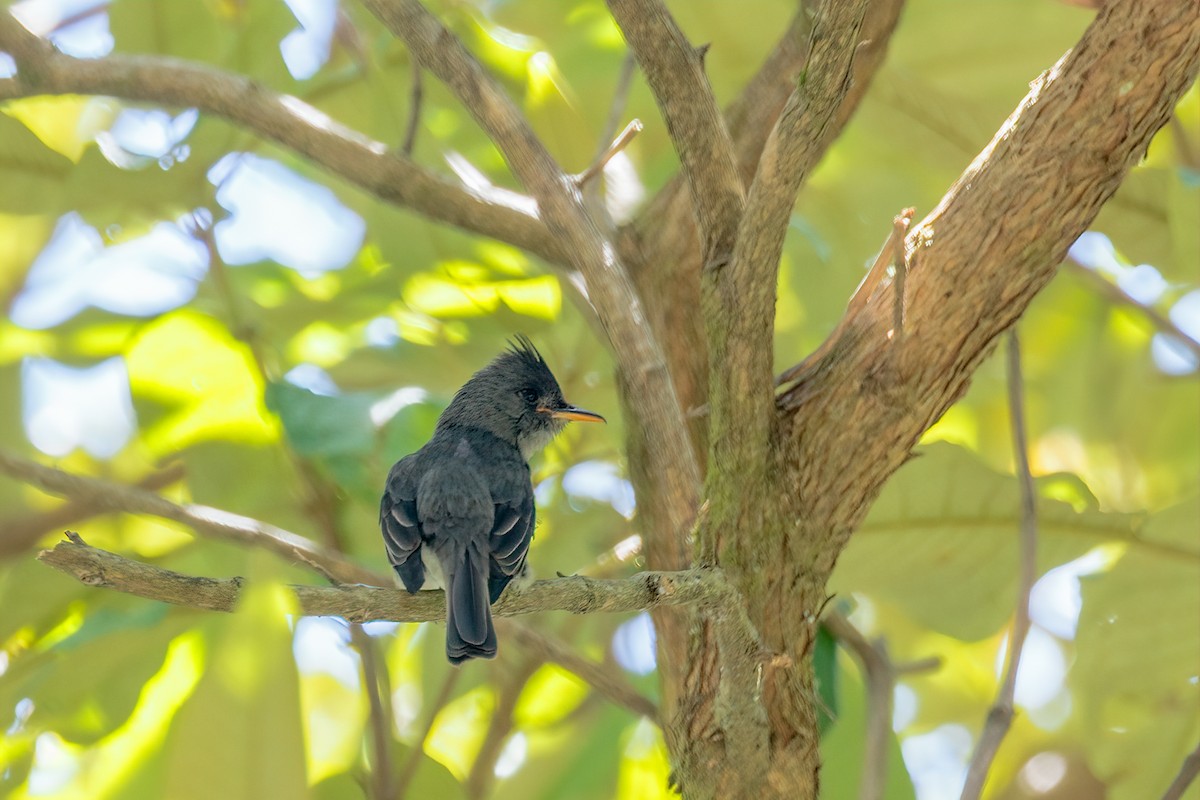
<point>576,414</point>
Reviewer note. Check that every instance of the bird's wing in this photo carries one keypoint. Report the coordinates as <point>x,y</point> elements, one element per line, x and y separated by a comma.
<point>512,531</point>
<point>401,528</point>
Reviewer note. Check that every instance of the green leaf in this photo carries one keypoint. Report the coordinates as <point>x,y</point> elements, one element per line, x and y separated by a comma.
<point>843,747</point>
<point>825,668</point>
<point>244,716</point>
<point>317,425</point>
<point>32,171</point>
<point>1138,671</point>
<point>84,706</point>
<point>941,543</point>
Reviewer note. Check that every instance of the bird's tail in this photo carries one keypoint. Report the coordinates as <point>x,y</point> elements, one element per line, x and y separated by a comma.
<point>469,629</point>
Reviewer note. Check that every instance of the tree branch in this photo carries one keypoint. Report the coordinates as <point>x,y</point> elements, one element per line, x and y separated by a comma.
<point>977,261</point>
<point>483,770</point>
<point>108,496</point>
<point>661,244</point>
<point>379,722</point>
<point>21,534</point>
<point>603,680</point>
<point>999,719</point>
<point>675,71</point>
<point>1187,773</point>
<point>739,299</point>
<point>742,326</point>
<point>1115,294</point>
<point>288,121</point>
<point>879,676</point>
<point>357,603</point>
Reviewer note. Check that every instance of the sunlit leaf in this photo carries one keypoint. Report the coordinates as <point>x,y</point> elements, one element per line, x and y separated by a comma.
<point>458,731</point>
<point>336,715</point>
<point>194,367</point>
<point>244,715</point>
<point>551,694</point>
<point>645,772</point>
<point>62,123</point>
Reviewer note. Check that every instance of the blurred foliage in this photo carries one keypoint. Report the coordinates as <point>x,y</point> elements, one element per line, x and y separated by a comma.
<point>286,393</point>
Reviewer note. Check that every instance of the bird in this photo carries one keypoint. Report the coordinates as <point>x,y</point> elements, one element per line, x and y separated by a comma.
<point>466,497</point>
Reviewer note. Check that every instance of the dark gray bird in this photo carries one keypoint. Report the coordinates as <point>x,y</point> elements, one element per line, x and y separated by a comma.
<point>466,496</point>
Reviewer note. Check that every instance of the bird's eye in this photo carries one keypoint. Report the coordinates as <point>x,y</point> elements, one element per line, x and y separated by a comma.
<point>529,395</point>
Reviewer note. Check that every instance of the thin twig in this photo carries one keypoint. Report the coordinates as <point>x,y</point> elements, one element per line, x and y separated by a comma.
<point>413,762</point>
<point>346,153</point>
<point>1118,295</point>
<point>858,301</point>
<point>1187,773</point>
<point>205,520</point>
<point>879,676</point>
<point>202,231</point>
<point>880,685</point>
<point>416,97</point>
<point>21,534</point>
<point>593,190</point>
<point>380,721</point>
<point>483,769</point>
<point>616,109</point>
<point>900,272</point>
<point>358,603</point>
<point>620,143</point>
<point>606,682</point>
<point>320,502</point>
<point>1000,717</point>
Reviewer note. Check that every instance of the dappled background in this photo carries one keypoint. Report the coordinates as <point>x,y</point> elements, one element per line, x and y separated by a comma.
<point>194,309</point>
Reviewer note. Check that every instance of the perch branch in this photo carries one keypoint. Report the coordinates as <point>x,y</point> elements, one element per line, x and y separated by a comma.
<point>286,120</point>
<point>879,675</point>
<point>1000,717</point>
<point>358,603</point>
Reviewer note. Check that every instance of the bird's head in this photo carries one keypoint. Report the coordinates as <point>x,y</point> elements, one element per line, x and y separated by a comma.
<point>516,398</point>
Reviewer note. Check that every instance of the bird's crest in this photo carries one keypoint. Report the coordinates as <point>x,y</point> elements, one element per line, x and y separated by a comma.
<point>523,348</point>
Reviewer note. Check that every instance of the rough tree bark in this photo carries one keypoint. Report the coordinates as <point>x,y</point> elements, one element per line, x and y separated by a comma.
<point>849,419</point>
<point>787,473</point>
